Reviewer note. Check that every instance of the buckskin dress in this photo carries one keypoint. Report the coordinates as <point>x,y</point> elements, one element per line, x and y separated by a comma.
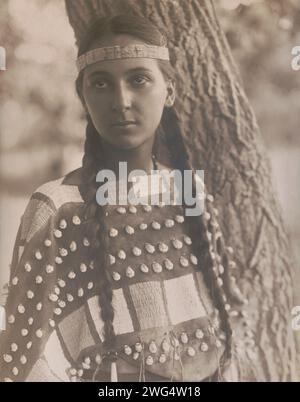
<point>165,319</point>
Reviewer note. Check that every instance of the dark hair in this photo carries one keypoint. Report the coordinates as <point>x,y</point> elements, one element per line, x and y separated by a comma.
<point>210,246</point>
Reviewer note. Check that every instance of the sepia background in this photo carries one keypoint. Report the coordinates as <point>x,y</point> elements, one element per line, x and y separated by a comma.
<point>42,123</point>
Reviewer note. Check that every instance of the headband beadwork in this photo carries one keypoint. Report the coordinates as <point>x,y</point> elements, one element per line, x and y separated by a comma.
<point>122,52</point>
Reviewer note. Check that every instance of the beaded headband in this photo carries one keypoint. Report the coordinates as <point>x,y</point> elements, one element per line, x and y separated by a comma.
<point>122,52</point>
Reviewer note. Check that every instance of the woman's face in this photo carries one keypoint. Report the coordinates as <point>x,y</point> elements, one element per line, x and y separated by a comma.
<point>125,97</point>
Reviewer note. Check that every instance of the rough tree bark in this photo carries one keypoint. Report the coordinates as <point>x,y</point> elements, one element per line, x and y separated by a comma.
<point>224,140</point>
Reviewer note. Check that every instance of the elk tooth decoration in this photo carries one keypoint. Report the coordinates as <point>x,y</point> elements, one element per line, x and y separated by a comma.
<point>63,252</point>
<point>14,347</point>
<point>152,347</point>
<point>58,260</point>
<point>135,355</point>
<point>30,294</point>
<point>162,358</point>
<point>57,233</point>
<point>138,347</point>
<point>184,261</point>
<point>165,346</point>
<point>149,248</point>
<point>38,255</point>
<point>130,272</point>
<point>163,248</point>
<point>11,319</point>
<point>62,304</point>
<point>112,259</point>
<point>63,224</point>
<point>122,254</point>
<point>49,269</point>
<point>61,283</point>
<point>53,297</point>
<point>177,244</point>
<point>113,232</point>
<point>127,350</point>
<point>7,358</point>
<point>156,225</point>
<point>156,266</point>
<point>168,264</point>
<point>169,223</point>
<point>83,267</point>
<point>204,347</point>
<point>76,220</point>
<point>132,209</point>
<point>184,338</point>
<point>136,251</point>
<point>71,275</point>
<point>129,229</point>
<point>179,218</point>
<point>144,268</point>
<point>23,359</point>
<point>27,267</point>
<point>191,351</point>
<point>187,240</point>
<point>21,309</point>
<point>199,334</point>
<point>70,298</point>
<point>24,332</point>
<point>194,259</point>
<point>86,242</point>
<point>149,360</point>
<point>39,333</point>
<point>116,276</point>
<point>143,226</point>
<point>121,210</point>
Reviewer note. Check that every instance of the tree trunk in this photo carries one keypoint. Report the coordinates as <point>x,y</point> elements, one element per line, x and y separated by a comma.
<point>224,140</point>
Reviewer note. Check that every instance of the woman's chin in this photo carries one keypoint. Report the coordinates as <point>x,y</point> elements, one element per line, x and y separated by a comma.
<point>126,142</point>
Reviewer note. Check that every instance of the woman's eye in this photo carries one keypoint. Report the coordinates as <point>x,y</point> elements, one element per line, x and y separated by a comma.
<point>100,84</point>
<point>140,80</point>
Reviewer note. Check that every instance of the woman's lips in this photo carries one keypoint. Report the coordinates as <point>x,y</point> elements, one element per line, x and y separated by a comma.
<point>124,123</point>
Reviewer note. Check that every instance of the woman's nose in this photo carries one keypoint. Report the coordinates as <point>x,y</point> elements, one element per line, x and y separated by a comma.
<point>121,98</point>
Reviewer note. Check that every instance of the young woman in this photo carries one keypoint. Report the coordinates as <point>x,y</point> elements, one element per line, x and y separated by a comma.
<point>119,292</point>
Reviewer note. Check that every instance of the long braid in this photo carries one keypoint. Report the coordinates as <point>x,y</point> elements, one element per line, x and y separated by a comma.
<point>210,244</point>
<point>212,247</point>
<point>96,230</point>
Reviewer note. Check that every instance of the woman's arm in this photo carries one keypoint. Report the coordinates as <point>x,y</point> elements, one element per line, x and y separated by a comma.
<point>29,346</point>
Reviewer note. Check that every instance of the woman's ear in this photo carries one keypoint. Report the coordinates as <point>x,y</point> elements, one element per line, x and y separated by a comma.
<point>171,94</point>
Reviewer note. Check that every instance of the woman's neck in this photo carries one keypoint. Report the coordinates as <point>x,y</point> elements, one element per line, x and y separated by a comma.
<point>139,158</point>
